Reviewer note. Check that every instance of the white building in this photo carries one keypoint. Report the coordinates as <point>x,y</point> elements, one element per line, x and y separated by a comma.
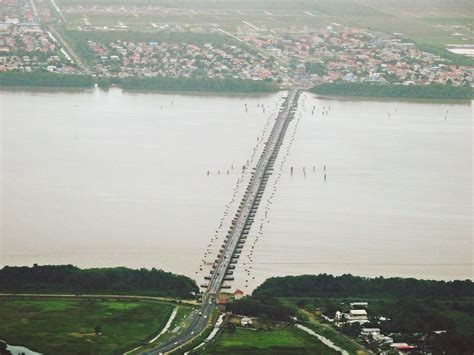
<point>368,331</point>
<point>358,316</point>
<point>245,321</point>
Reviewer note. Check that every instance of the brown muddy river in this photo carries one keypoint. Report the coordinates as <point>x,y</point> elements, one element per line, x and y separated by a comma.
<point>108,179</point>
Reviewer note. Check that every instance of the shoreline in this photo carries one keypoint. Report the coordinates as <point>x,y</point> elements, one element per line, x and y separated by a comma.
<point>391,99</point>
<point>67,90</point>
<point>45,89</point>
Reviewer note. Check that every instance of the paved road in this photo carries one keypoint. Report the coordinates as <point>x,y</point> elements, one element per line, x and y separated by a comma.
<point>197,322</point>
<point>200,319</point>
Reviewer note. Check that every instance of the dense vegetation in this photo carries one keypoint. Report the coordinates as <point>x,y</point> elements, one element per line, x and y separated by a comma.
<point>45,79</point>
<point>55,80</point>
<point>197,84</point>
<point>324,285</point>
<point>316,68</point>
<point>60,326</point>
<point>454,58</point>
<point>70,279</point>
<point>434,91</point>
<point>409,309</point>
<point>262,307</point>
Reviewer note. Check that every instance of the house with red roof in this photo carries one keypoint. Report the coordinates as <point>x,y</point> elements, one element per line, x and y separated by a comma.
<point>238,294</point>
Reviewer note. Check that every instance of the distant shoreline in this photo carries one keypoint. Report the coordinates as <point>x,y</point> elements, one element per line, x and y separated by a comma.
<point>429,93</point>
<point>78,90</point>
<point>392,99</point>
<point>66,90</point>
<point>44,79</point>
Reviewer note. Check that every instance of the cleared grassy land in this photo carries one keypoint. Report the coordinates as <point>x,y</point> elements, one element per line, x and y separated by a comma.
<point>68,326</point>
<point>276,341</point>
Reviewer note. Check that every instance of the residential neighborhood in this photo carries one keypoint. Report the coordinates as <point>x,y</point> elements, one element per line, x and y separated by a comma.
<point>312,55</point>
<point>351,54</point>
<point>27,45</point>
<point>153,58</point>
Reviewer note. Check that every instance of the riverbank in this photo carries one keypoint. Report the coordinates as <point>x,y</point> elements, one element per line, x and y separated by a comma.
<point>432,92</point>
<point>47,80</point>
<point>408,100</point>
<point>67,279</point>
<point>197,85</point>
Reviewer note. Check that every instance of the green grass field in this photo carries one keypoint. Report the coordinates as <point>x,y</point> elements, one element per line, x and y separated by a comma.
<point>68,326</point>
<point>277,341</point>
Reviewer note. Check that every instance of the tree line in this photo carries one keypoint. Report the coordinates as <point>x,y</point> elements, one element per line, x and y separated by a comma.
<point>433,91</point>
<point>412,309</point>
<point>197,84</point>
<point>262,307</point>
<point>324,285</point>
<point>56,80</point>
<point>118,280</point>
<point>454,58</point>
<point>45,79</point>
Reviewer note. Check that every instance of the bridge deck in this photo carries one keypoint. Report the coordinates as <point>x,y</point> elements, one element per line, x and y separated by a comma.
<point>253,193</point>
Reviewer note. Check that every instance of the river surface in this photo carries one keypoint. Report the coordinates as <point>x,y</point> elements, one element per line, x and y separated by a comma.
<point>111,178</point>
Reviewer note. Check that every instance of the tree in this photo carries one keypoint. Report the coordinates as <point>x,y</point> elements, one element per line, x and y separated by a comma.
<point>331,309</point>
<point>70,279</point>
<point>45,79</point>
<point>432,91</point>
<point>352,329</point>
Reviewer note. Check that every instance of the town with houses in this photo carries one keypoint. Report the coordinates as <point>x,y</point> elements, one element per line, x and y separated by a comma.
<point>354,55</point>
<point>123,59</point>
<point>27,45</point>
<point>371,336</point>
<point>333,53</point>
<point>357,313</point>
